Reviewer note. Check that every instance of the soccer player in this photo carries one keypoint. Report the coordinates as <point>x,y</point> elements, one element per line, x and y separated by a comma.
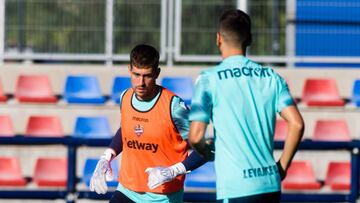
<point>152,139</point>
<point>242,98</point>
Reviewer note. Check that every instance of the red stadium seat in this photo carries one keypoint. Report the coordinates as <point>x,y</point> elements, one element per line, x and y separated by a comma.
<point>331,130</point>
<point>44,126</point>
<point>338,175</point>
<point>34,88</point>
<point>10,172</point>
<point>3,97</point>
<point>51,172</point>
<point>321,92</point>
<point>281,130</point>
<point>6,126</point>
<point>301,176</point>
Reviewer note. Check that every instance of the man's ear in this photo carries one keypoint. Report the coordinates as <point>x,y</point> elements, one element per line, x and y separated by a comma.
<point>129,68</point>
<point>218,39</point>
<point>157,73</point>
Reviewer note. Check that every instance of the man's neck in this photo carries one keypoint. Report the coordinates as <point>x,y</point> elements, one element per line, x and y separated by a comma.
<point>151,96</point>
<point>229,51</point>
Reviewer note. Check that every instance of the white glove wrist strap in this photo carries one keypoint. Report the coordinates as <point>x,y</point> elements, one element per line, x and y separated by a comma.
<point>179,169</point>
<point>108,154</point>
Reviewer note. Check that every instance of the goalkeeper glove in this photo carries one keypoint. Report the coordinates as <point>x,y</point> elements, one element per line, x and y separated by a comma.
<point>160,175</point>
<point>209,150</point>
<point>102,173</point>
<point>281,170</point>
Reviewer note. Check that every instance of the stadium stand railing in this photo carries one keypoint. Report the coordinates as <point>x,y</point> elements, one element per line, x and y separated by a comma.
<point>68,112</point>
<point>72,143</point>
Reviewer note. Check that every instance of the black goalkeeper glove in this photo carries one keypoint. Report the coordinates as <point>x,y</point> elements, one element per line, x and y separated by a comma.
<point>282,172</point>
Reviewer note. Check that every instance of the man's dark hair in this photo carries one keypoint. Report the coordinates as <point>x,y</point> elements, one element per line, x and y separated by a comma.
<point>144,56</point>
<point>235,27</point>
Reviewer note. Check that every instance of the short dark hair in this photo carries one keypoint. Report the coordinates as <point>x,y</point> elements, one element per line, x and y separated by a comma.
<point>143,56</point>
<point>235,27</point>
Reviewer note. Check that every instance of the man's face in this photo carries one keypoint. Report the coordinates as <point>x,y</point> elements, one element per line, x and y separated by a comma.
<point>143,81</point>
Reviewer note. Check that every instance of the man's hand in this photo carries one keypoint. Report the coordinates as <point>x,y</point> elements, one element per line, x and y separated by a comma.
<point>281,170</point>
<point>209,150</point>
<point>102,173</point>
<point>160,175</point>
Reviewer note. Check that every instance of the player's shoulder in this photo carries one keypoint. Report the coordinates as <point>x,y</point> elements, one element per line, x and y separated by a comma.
<point>178,102</point>
<point>205,74</point>
<point>208,71</point>
<point>274,76</point>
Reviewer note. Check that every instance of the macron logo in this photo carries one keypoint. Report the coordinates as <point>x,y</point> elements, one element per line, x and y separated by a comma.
<point>244,71</point>
<point>134,144</point>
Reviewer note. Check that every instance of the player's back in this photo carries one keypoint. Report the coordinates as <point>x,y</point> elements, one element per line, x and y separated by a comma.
<point>245,98</point>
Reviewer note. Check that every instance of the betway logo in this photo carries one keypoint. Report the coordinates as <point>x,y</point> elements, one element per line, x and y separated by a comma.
<point>134,144</point>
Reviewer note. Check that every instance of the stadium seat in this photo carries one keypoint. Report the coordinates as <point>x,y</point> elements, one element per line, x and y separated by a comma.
<point>51,172</point>
<point>301,176</point>
<point>92,127</point>
<point>89,168</point>
<point>44,126</point>
<point>331,130</point>
<point>202,178</point>
<point>34,88</point>
<point>321,92</point>
<point>119,85</point>
<point>338,175</point>
<point>10,172</point>
<point>356,93</point>
<point>281,130</point>
<point>181,86</point>
<point>83,90</point>
<point>6,126</point>
<point>3,97</point>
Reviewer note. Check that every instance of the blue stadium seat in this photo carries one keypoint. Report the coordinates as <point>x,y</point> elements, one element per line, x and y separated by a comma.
<point>119,85</point>
<point>89,168</point>
<point>92,127</point>
<point>202,178</point>
<point>182,86</point>
<point>356,93</point>
<point>83,90</point>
